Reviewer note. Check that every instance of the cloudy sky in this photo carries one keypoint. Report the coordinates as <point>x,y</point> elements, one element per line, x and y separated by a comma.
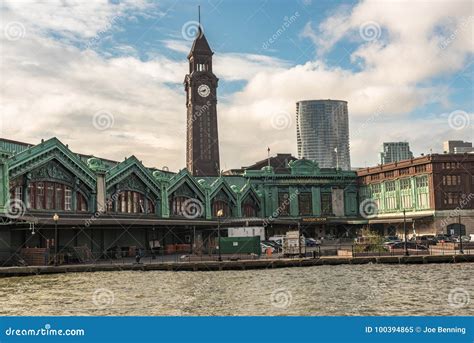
<point>106,77</point>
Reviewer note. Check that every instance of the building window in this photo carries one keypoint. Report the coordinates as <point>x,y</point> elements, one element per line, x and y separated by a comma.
<point>49,196</point>
<point>389,173</point>
<point>390,186</point>
<point>405,184</point>
<point>326,204</point>
<point>67,198</point>
<point>452,180</point>
<point>404,171</point>
<point>406,201</point>
<point>50,204</point>
<point>374,177</point>
<point>59,197</point>
<point>305,204</point>
<point>40,196</point>
<point>133,202</point>
<point>218,205</point>
<point>420,169</point>
<point>421,182</point>
<point>249,208</point>
<point>81,202</point>
<point>283,204</point>
<point>177,205</point>
<point>451,198</point>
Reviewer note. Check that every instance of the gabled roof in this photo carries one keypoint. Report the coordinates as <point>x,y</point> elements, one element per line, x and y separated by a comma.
<point>185,177</point>
<point>37,155</point>
<point>221,183</point>
<point>125,168</point>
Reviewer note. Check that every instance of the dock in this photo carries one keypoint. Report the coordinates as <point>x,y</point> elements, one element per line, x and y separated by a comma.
<point>232,265</point>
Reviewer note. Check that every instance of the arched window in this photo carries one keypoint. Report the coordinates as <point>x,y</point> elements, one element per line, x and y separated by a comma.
<point>249,208</point>
<point>130,202</point>
<point>218,205</point>
<point>48,196</point>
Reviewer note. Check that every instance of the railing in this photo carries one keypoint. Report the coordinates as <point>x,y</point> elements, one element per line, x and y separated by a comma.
<point>15,258</point>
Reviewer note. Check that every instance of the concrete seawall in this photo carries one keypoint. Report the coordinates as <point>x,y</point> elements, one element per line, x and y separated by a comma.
<point>234,265</point>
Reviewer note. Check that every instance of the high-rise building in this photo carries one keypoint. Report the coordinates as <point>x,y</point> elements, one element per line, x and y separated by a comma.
<point>202,146</point>
<point>322,129</point>
<point>458,147</point>
<point>394,152</point>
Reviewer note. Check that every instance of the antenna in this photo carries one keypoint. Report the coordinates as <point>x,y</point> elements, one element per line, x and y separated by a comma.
<point>199,15</point>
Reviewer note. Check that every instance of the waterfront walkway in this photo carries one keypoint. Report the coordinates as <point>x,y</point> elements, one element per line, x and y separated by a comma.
<point>232,265</point>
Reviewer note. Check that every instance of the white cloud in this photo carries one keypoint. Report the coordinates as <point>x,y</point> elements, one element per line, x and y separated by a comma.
<point>52,88</point>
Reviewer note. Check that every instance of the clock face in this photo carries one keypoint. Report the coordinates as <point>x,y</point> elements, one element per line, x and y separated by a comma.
<point>204,91</point>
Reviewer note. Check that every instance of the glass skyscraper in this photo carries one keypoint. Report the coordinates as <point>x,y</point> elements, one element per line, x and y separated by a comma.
<point>322,129</point>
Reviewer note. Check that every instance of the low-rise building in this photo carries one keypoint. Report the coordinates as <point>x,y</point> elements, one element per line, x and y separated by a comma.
<point>435,191</point>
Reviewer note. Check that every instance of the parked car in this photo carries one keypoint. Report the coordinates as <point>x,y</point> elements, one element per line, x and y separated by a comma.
<point>442,238</point>
<point>311,242</point>
<point>424,239</point>
<point>410,246</point>
<point>392,239</point>
<point>465,239</point>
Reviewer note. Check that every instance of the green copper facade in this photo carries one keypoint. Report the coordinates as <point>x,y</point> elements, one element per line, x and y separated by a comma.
<point>49,177</point>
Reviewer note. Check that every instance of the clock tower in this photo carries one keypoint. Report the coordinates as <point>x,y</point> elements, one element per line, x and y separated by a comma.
<point>202,142</point>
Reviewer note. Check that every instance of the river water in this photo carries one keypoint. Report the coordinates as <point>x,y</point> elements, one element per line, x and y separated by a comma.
<point>372,289</point>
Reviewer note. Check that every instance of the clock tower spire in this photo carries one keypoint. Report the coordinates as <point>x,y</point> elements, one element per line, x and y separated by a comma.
<point>202,142</point>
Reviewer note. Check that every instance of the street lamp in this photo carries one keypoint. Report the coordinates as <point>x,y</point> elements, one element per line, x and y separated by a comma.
<point>461,251</point>
<point>405,231</point>
<point>220,213</point>
<point>55,218</point>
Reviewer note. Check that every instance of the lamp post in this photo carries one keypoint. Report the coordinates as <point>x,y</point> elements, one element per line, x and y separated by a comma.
<point>55,218</point>
<point>405,231</point>
<point>220,213</point>
<point>461,251</point>
<point>299,239</point>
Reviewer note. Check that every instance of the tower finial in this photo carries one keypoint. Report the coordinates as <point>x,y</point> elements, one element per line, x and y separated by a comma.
<point>199,14</point>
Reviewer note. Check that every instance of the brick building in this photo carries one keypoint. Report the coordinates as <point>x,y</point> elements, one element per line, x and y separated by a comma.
<point>436,191</point>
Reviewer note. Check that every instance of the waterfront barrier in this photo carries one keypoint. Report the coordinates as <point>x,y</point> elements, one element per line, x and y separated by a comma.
<point>233,265</point>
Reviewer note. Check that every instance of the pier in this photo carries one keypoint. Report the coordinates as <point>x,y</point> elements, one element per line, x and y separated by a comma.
<point>233,265</point>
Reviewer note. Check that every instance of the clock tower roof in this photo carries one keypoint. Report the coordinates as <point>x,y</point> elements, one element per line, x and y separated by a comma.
<point>200,45</point>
